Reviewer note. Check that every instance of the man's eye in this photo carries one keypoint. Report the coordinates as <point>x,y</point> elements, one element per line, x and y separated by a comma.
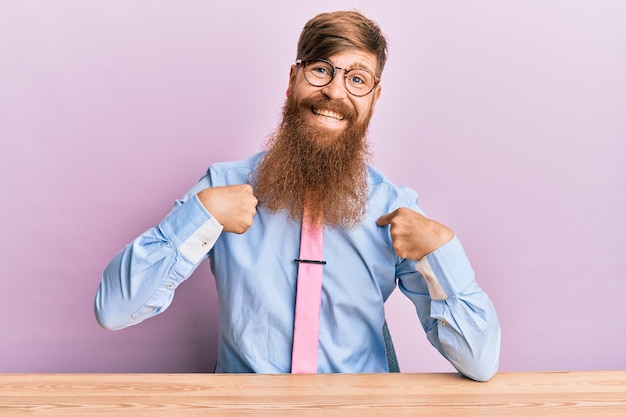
<point>319,70</point>
<point>356,80</point>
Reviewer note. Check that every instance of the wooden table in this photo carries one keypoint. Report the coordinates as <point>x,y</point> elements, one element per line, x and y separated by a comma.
<point>593,394</point>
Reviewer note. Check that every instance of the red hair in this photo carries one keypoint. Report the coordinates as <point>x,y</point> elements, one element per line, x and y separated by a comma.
<point>329,33</point>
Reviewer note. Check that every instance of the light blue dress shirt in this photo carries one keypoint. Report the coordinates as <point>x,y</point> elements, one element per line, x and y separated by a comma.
<point>256,277</point>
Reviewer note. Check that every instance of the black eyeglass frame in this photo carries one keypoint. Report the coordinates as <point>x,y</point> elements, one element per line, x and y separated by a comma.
<point>345,75</point>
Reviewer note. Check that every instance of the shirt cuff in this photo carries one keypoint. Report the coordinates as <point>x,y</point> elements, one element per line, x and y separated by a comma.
<point>447,270</point>
<point>191,229</point>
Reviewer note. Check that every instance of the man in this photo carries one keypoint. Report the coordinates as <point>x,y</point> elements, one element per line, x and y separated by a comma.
<point>247,217</point>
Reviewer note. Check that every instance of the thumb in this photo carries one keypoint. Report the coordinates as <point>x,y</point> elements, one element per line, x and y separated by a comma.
<point>385,219</point>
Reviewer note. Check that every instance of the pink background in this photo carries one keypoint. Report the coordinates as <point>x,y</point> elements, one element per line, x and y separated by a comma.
<point>508,117</point>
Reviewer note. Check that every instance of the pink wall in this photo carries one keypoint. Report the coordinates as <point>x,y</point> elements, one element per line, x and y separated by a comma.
<point>507,117</point>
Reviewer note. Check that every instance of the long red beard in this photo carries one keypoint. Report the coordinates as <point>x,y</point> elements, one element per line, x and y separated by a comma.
<point>312,165</point>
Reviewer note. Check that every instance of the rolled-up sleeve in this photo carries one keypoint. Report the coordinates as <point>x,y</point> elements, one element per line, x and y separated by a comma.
<point>457,315</point>
<point>140,280</point>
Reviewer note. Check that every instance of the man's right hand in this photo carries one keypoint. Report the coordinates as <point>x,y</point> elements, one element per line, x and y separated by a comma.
<point>233,206</point>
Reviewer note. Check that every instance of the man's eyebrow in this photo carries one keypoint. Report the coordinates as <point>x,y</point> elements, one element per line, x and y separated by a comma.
<point>355,65</point>
<point>360,65</point>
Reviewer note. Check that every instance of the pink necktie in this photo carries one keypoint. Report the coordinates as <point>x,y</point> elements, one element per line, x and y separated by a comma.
<point>308,298</point>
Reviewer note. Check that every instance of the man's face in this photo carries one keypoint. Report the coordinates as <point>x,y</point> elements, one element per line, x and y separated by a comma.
<point>317,157</point>
<point>332,109</point>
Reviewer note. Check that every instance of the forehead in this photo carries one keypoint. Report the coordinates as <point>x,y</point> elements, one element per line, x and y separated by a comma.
<point>355,58</point>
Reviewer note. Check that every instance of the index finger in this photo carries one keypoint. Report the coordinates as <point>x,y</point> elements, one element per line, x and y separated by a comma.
<point>385,219</point>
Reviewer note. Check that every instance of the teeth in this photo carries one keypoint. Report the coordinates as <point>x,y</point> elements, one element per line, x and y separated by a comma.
<point>328,113</point>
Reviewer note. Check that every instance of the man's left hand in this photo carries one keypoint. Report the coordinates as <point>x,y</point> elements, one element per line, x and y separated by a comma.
<point>413,235</point>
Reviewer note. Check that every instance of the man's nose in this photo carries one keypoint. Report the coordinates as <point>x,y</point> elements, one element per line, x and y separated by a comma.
<point>336,88</point>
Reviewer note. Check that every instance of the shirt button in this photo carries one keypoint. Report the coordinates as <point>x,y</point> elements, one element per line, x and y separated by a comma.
<point>204,243</point>
<point>170,286</point>
<point>442,322</point>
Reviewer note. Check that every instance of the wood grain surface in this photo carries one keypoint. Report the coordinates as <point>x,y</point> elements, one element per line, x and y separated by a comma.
<point>593,394</point>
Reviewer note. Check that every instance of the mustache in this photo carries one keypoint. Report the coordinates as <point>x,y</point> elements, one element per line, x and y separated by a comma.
<point>321,102</point>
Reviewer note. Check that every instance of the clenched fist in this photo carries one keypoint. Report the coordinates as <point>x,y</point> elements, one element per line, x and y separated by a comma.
<point>414,236</point>
<point>233,206</point>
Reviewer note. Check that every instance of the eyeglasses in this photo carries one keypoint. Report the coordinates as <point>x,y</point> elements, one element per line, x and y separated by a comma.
<point>358,81</point>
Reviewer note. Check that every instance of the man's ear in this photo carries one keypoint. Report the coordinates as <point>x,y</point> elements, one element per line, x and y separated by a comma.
<point>375,97</point>
<point>292,77</point>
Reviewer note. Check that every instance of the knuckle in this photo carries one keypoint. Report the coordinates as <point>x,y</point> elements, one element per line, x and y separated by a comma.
<point>397,247</point>
<point>402,250</point>
<point>396,235</point>
<point>242,228</point>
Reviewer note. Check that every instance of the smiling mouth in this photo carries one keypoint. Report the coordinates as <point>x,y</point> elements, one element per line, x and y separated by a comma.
<point>327,115</point>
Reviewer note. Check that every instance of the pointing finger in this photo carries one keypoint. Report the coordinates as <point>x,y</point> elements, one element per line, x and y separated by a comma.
<point>385,219</point>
